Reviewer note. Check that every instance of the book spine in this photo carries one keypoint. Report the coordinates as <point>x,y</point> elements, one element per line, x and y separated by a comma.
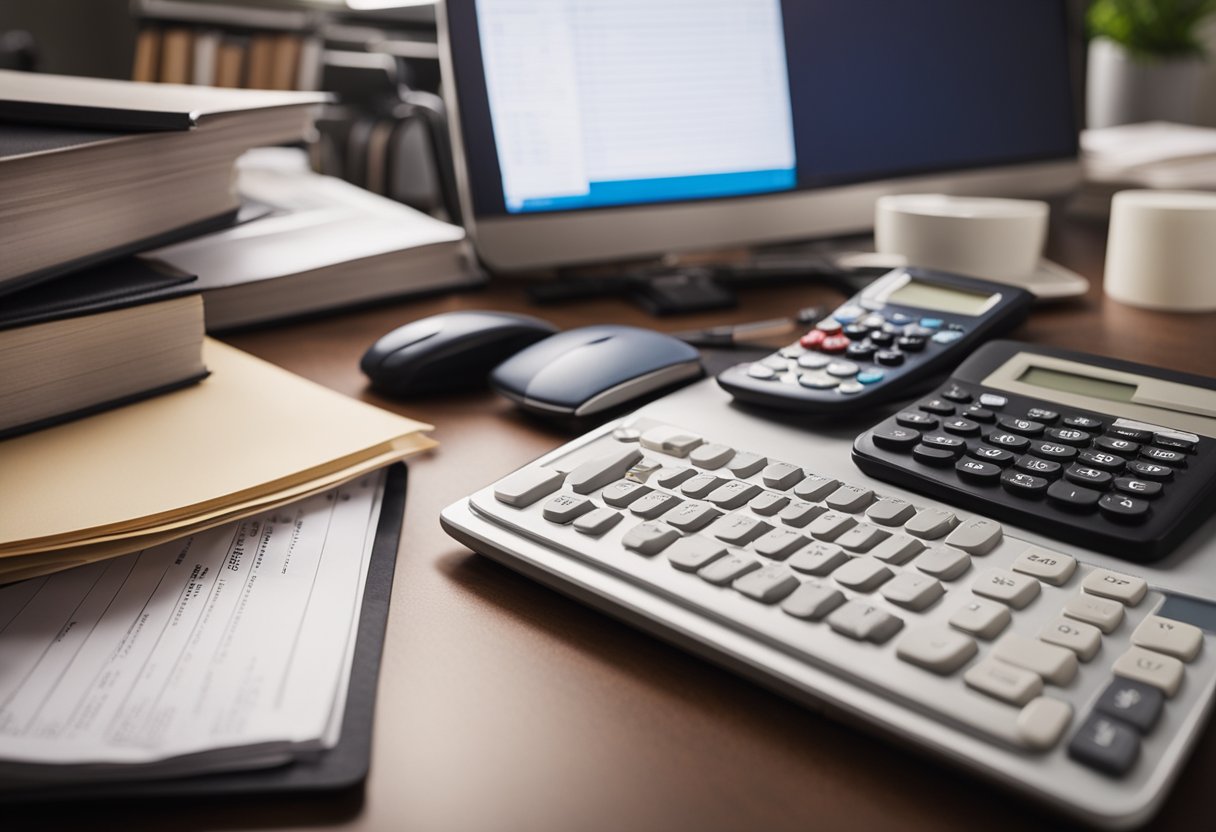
<point>286,63</point>
<point>230,61</point>
<point>261,62</point>
<point>206,53</point>
<point>146,66</point>
<point>175,56</point>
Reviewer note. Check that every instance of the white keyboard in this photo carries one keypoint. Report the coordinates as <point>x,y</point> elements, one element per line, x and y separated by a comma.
<point>1080,685</point>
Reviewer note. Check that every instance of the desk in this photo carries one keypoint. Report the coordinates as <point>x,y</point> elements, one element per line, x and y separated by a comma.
<point>505,706</point>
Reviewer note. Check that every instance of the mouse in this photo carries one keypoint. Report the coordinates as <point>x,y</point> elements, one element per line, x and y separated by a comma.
<point>447,352</point>
<point>595,369</point>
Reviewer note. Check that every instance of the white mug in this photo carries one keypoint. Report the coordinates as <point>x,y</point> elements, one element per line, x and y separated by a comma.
<point>996,239</point>
<point>1161,250</point>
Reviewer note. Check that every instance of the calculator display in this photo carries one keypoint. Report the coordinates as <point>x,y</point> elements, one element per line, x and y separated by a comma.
<point>941,298</point>
<point>1095,388</point>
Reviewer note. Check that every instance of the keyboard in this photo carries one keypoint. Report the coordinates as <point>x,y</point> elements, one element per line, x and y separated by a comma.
<point>1081,686</point>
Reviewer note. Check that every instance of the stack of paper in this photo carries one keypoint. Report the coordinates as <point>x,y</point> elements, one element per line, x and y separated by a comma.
<point>228,649</point>
<point>248,438</point>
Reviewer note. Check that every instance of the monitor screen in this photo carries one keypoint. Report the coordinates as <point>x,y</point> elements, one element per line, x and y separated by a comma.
<point>569,105</point>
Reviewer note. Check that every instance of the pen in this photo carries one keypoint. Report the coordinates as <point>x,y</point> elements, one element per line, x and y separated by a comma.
<point>732,335</point>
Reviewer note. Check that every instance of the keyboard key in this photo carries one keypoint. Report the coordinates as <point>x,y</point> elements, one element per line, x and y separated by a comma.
<point>1073,497</point>
<point>1101,612</point>
<point>961,427</point>
<point>890,511</point>
<point>1117,445</point>
<point>939,406</point>
<point>651,505</point>
<point>864,622</point>
<point>1025,427</point>
<point>1024,485</point>
<point>997,456</point>
<point>565,507</point>
<point>936,648</point>
<point>1105,744</point>
<point>812,601</point>
<point>701,486</point>
<point>956,394</point>
<point>1101,459</point>
<point>1144,489</point>
<point>1036,467</point>
<point>768,503</point>
<point>937,457</point>
<point>1153,668</point>
<point>1174,638</point>
<point>1069,436</point>
<point>915,419</point>
<point>623,492</point>
<point>1052,567</point>
<point>981,618</point>
<point>671,477</point>
<point>1007,587</point>
<point>738,529</point>
<point>897,549</point>
<point>650,538</point>
<point>594,474</point>
<point>861,538</point>
<point>943,563</point>
<point>799,514</point>
<point>815,488</point>
<point>1135,703</point>
<point>1042,721</point>
<point>978,471</point>
<point>1008,441</point>
<point>1150,470</point>
<point>711,455</point>
<point>692,516</point>
<point>1083,422</point>
<point>523,488</point>
<point>976,536</point>
<point>1079,637</point>
<point>597,521</point>
<point>931,523</point>
<point>830,525</point>
<point>767,585</point>
<point>1125,430</point>
<point>976,413</point>
<point>779,544</point>
<point>1175,443</point>
<point>916,592</point>
<point>850,498</point>
<point>1056,665</point>
<point>1055,451</point>
<point>993,400</point>
<point>746,464</point>
<point>1041,415</point>
<point>727,570</point>
<point>670,440</point>
<point>1125,589</point>
<point>942,442</point>
<point>819,559</point>
<point>781,475</point>
<point>1004,681</point>
<point>688,554</point>
<point>863,574</point>
<point>1091,477</point>
<point>733,494</point>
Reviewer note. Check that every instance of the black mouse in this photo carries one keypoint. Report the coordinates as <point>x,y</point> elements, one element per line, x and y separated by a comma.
<point>448,352</point>
<point>594,370</point>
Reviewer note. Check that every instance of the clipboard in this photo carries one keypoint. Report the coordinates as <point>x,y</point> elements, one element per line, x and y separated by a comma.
<point>342,767</point>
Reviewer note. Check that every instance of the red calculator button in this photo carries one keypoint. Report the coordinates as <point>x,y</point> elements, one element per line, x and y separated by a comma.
<point>813,339</point>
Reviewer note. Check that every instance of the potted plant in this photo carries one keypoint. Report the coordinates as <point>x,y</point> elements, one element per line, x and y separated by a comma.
<point>1145,60</point>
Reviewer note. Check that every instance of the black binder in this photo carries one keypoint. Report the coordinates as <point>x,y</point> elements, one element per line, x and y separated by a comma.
<point>341,767</point>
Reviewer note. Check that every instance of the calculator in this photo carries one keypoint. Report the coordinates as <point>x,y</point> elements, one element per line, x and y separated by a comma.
<point>1110,455</point>
<point>902,332</point>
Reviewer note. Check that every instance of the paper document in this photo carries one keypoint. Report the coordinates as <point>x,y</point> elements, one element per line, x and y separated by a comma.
<point>230,648</point>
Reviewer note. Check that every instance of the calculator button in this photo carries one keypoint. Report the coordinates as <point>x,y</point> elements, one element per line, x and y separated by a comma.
<point>1007,587</point>
<point>813,339</point>
<point>792,351</point>
<point>977,536</point>
<point>1083,422</point>
<point>650,538</point>
<point>917,331</point>
<point>798,514</point>
<point>776,362</point>
<point>993,400</point>
<point>997,456</point>
<point>889,358</point>
<point>1135,703</point>
<point>1103,460</point>
<point>701,486</point>
<point>818,381</point>
<point>1038,467</point>
<point>911,343</point>
<point>863,574</point>
<point>979,414</point>
<point>674,476</point>
<point>915,419</point>
<point>738,529</point>
<point>936,649</point>
<point>727,570</point>
<point>768,585</point>
<point>1004,681</point>
<point>897,549</point>
<point>1150,470</point>
<point>871,376</point>
<point>813,361</point>
<point>931,323</point>
<point>943,563</point>
<point>525,487</point>
<point>1052,567</point>
<point>830,525</point>
<point>1145,489</point>
<point>769,503</point>
<point>1023,485</point>
<point>815,487</point>
<point>842,369</point>
<point>1101,612</point>
<point>829,325</point>
<point>835,343</point>
<point>762,372</point>
<point>1056,665</point>
<point>946,443</point>
<point>861,350</point>
<point>1084,475</point>
<point>651,505</point>
<point>874,320</point>
<point>1121,508</point>
<point>1069,436</point>
<point>931,523</point>
<point>956,394</point>
<point>1177,459</point>
<point>947,336</point>
<point>812,601</point>
<point>1079,637</point>
<point>1053,450</point>
<point>1042,722</point>
<point>1009,441</point>
<point>564,508</point>
<point>862,538</point>
<point>819,559</point>
<point>597,521</point>
<point>669,440</point>
<point>733,493</point>
<point>711,455</point>
<point>1105,744</point>
<point>1072,497</point>
<point>781,475</point>
<point>1125,589</point>
<point>939,457</point>
<point>855,332</point>
<point>692,516</point>
<point>1175,443</point>
<point>864,622</point>
<point>848,313</point>
<point>623,492</point>
<point>939,406</point>
<point>688,554</point>
<point>746,464</point>
<point>1152,668</point>
<point>850,386</point>
<point>850,498</point>
<point>978,471</point>
<point>1025,427</point>
<point>982,618</point>
<point>1174,638</point>
<point>916,592</point>
<point>961,427</point>
<point>1117,445</point>
<point>882,339</point>
<point>1127,432</point>
<point>1041,415</point>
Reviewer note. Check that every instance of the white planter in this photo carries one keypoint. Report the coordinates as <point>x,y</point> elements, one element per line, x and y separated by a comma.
<point>1123,89</point>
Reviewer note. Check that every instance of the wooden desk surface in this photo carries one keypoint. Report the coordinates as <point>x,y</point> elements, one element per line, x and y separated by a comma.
<point>505,706</point>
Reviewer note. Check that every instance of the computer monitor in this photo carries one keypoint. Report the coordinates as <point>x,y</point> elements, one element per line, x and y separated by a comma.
<point>598,130</point>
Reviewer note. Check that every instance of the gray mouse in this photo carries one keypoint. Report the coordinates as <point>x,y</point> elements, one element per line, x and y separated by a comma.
<point>594,369</point>
<point>446,352</point>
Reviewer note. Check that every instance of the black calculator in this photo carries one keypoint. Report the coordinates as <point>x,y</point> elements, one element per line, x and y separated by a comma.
<point>898,334</point>
<point>1110,455</point>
